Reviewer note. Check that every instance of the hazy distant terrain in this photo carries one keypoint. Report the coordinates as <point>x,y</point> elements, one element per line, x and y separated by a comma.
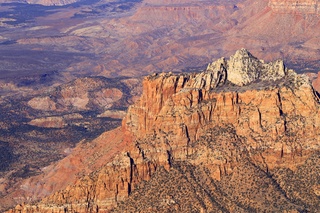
<point>51,50</point>
<point>130,38</point>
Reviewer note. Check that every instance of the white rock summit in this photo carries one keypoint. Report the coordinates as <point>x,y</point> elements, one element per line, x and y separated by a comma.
<point>243,68</point>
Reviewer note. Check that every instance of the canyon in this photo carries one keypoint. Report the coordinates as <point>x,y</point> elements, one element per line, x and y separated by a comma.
<point>38,130</point>
<point>204,142</point>
<point>69,70</point>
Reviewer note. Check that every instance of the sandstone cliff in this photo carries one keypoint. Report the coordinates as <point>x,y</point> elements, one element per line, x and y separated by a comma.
<point>241,136</point>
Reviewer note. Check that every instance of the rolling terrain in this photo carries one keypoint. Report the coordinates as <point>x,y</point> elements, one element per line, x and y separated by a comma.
<point>38,130</point>
<point>130,38</point>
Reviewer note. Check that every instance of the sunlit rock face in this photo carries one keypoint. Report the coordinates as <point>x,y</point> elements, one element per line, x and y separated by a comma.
<point>200,133</point>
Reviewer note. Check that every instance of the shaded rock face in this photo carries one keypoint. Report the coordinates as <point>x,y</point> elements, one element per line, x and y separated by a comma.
<point>207,142</point>
<point>316,82</point>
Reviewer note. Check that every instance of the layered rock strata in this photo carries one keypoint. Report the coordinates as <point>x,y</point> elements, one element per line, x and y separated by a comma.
<point>301,6</point>
<point>242,136</point>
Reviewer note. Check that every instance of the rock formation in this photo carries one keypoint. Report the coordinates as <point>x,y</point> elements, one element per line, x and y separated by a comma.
<point>300,6</point>
<point>43,46</point>
<point>241,136</point>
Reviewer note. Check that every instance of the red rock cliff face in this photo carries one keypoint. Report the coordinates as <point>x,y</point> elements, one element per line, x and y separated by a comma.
<point>267,117</point>
<point>179,110</point>
<point>171,101</point>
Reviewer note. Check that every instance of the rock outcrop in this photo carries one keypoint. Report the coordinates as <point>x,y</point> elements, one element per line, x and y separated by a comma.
<point>241,136</point>
<point>243,68</point>
<point>293,6</point>
<point>81,94</point>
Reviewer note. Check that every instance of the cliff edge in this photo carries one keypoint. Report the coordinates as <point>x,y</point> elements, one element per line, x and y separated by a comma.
<point>241,136</point>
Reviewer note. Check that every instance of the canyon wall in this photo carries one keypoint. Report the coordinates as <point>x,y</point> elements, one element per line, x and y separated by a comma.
<point>301,6</point>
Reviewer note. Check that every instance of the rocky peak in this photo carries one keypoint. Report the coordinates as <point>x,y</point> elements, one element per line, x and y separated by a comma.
<point>243,68</point>
<point>240,70</point>
<point>240,74</point>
